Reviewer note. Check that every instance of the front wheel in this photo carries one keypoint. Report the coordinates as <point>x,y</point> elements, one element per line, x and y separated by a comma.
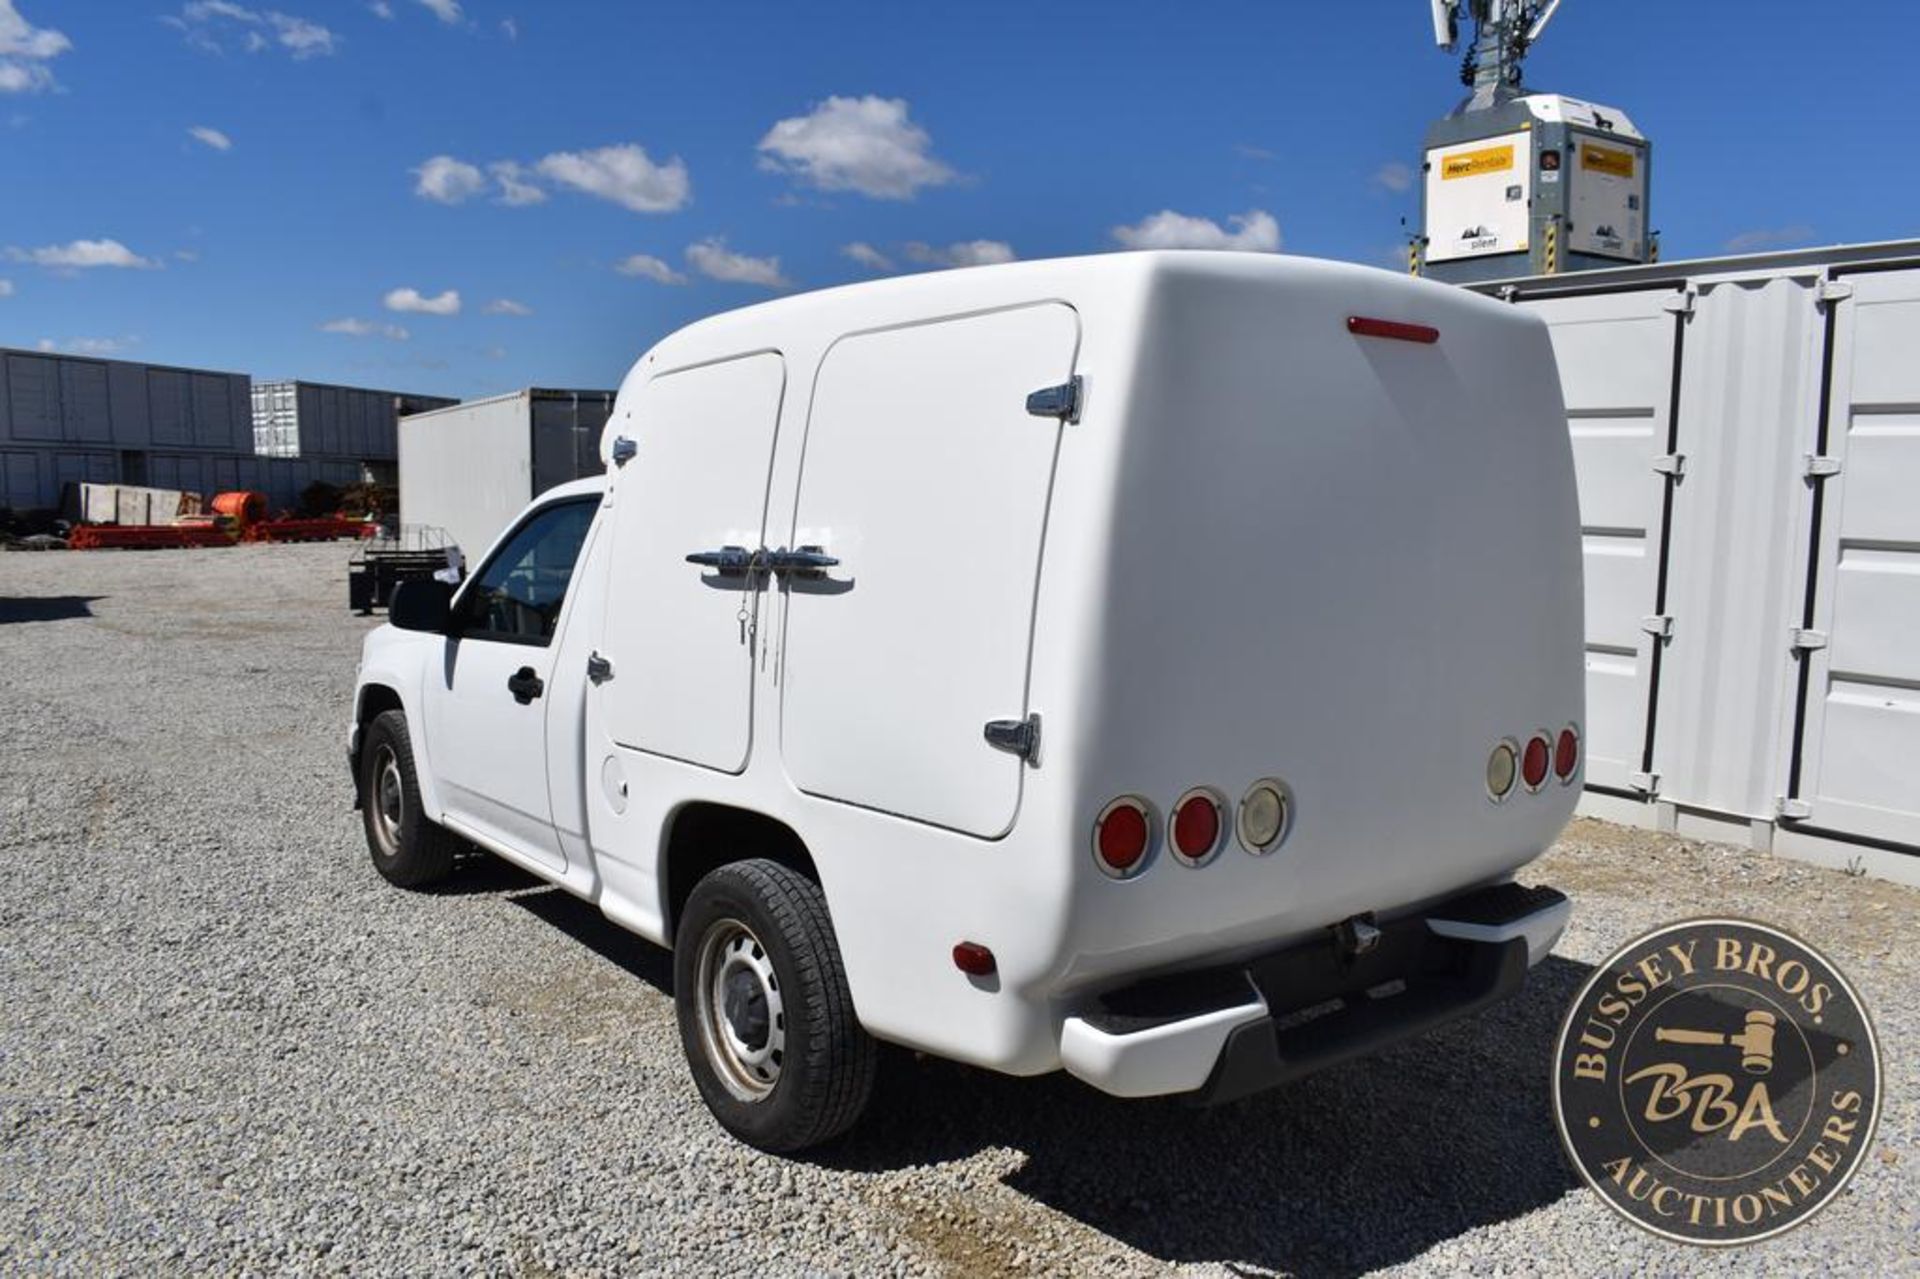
<point>765,1015</point>
<point>407,849</point>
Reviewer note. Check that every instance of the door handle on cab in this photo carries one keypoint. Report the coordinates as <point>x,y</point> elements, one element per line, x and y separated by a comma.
<point>525,685</point>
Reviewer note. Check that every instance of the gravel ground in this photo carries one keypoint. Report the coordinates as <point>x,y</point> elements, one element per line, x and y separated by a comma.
<point>226,1045</point>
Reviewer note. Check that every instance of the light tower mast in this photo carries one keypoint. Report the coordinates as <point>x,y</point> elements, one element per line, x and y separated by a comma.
<point>1522,183</point>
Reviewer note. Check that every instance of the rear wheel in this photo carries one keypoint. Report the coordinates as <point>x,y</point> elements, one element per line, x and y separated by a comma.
<point>765,1016</point>
<point>407,849</point>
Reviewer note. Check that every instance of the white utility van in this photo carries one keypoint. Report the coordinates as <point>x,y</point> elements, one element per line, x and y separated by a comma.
<point>1153,665</point>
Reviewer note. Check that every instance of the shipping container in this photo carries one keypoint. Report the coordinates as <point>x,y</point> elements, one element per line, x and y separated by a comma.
<point>48,398</point>
<point>466,471</point>
<point>68,419</point>
<point>1746,435</point>
<point>312,419</point>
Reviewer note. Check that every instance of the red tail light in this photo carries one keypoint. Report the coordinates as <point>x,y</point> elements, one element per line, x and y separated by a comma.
<point>1196,826</point>
<point>1534,763</point>
<point>1121,836</point>
<point>973,959</point>
<point>1566,754</point>
<point>1367,326</point>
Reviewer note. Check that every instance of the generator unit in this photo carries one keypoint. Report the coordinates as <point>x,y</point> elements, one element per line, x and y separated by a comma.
<point>1520,183</point>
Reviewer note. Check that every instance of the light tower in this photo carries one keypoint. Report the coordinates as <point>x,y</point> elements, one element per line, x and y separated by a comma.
<point>1521,183</point>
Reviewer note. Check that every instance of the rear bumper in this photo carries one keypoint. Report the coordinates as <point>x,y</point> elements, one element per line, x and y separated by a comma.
<point>1224,1033</point>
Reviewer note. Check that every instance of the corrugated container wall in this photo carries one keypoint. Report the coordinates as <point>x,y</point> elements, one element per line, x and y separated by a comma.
<point>1746,434</point>
<point>311,419</point>
<point>71,419</point>
<point>64,399</point>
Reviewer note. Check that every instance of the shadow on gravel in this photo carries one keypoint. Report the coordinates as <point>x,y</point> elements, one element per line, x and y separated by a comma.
<point>584,923</point>
<point>45,608</point>
<point>480,874</point>
<point>1344,1172</point>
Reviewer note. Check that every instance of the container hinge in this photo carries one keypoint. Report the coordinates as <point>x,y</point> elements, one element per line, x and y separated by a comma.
<point>1061,401</point>
<point>599,669</point>
<point>1818,466</point>
<point>1831,291</point>
<point>623,450</point>
<point>1016,736</point>
<point>1793,810</point>
<point>1647,783</point>
<point>1680,303</point>
<point>1658,624</point>
<point>1805,640</point>
<point>1674,464</point>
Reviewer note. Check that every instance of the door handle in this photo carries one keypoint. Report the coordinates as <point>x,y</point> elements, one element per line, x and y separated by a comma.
<point>525,685</point>
<point>728,561</point>
<point>801,561</point>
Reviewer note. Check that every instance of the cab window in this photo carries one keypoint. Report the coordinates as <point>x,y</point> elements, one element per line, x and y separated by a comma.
<point>516,597</point>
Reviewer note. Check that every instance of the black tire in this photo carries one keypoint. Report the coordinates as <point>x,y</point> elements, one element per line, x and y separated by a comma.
<point>758,925</point>
<point>407,849</point>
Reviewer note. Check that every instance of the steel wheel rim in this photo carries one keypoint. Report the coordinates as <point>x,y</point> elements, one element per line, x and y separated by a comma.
<point>733,961</point>
<point>388,803</point>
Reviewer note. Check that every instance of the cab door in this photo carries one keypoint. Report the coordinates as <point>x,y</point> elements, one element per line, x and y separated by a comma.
<point>486,704</point>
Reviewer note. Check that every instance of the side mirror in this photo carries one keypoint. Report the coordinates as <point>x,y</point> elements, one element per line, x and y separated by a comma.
<point>422,605</point>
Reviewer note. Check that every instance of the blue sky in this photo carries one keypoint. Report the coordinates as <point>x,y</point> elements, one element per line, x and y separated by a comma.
<point>581,178</point>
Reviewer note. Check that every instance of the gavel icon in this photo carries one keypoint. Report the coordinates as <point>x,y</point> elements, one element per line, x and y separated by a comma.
<point>1755,1042</point>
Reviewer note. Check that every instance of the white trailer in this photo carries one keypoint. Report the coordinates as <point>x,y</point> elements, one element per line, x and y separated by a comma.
<point>467,470</point>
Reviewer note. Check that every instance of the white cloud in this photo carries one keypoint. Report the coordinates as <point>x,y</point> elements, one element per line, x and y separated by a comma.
<point>6,288</point>
<point>446,10</point>
<point>81,254</point>
<point>648,267</point>
<point>381,9</point>
<point>1393,176</point>
<point>212,137</point>
<point>356,328</point>
<point>208,23</point>
<point>510,28</point>
<point>1763,238</point>
<point>506,306</point>
<point>516,185</point>
<point>622,174</point>
<point>187,255</point>
<point>1248,151</point>
<point>865,144</point>
<point>305,39</point>
<point>447,180</point>
<point>867,256</point>
<point>1254,231</point>
<point>964,253</point>
<point>88,346</point>
<point>447,303</point>
<point>712,258</point>
<point>25,51</point>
